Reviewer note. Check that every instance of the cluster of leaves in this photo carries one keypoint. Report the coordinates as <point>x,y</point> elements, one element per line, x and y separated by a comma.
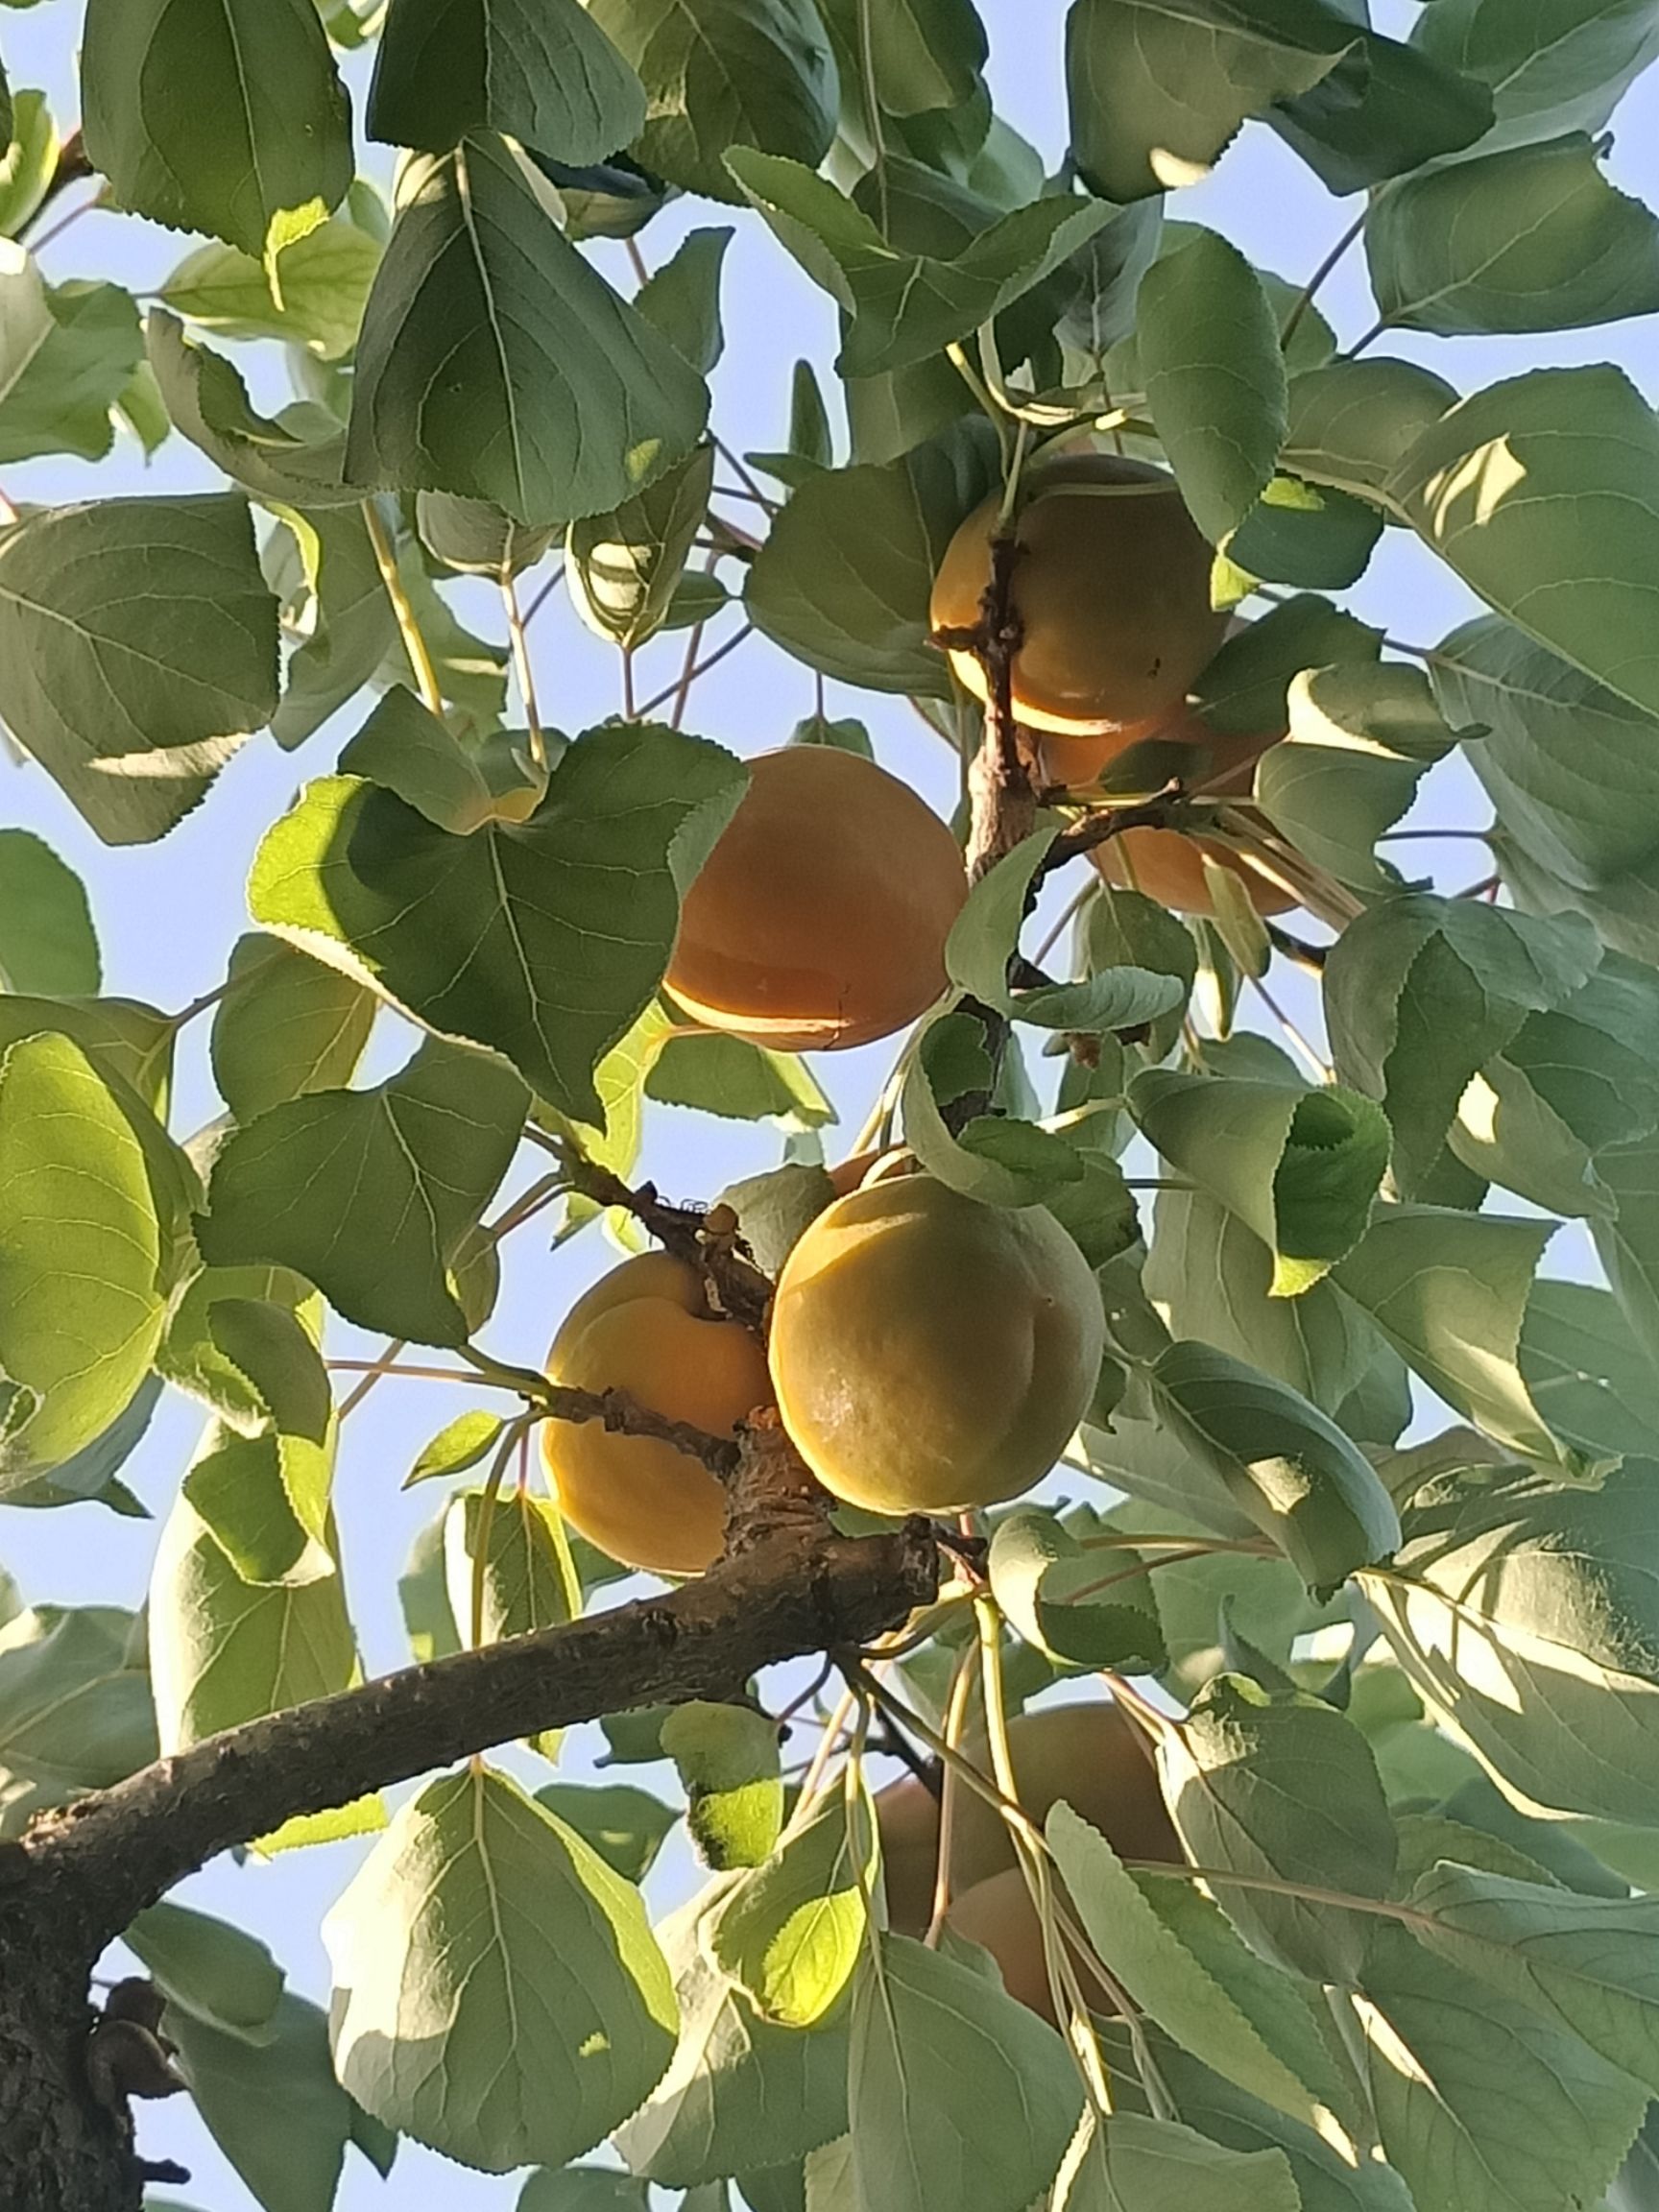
<point>1417,1687</point>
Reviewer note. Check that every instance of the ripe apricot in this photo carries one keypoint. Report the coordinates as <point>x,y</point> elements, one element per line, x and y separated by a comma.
<point>1168,866</point>
<point>1112,588</point>
<point>998,1915</point>
<point>930,1353</point>
<point>820,918</point>
<point>644,1329</point>
<point>907,1821</point>
<point>1086,1753</point>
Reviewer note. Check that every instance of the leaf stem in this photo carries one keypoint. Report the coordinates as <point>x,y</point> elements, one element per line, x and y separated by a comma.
<point>402,609</point>
<point>543,594</point>
<point>702,668</point>
<point>873,101</point>
<point>525,672</point>
<point>1305,298</point>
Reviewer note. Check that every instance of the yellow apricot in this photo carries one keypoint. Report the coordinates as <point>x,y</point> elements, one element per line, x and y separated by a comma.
<point>930,1352</point>
<point>1087,1754</point>
<point>645,1328</point>
<point>1112,588</point>
<point>1168,866</point>
<point>820,918</point>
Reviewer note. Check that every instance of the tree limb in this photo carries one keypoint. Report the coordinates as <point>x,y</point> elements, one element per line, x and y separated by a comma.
<point>794,1591</point>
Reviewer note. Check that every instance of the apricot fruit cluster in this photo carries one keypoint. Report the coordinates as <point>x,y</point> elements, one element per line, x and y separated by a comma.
<point>1086,1753</point>
<point>928,1353</point>
<point>819,919</point>
<point>645,1328</point>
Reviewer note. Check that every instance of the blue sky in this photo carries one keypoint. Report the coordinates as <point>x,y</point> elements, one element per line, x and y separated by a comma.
<point>166,913</point>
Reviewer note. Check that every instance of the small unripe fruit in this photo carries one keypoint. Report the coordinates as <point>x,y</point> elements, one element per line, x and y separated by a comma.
<point>931,1354</point>
<point>1112,588</point>
<point>645,1328</point>
<point>819,919</point>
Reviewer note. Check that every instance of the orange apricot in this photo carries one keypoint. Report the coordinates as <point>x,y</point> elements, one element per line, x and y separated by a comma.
<point>1112,588</point>
<point>930,1352</point>
<point>820,918</point>
<point>999,1917</point>
<point>1168,866</point>
<point>645,1328</point>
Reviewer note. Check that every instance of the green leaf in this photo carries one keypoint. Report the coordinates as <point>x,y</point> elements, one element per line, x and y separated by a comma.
<point>844,578</point>
<point>1051,1588</point>
<point>498,1994</point>
<point>1572,767</point>
<point>623,568</point>
<point>169,107</point>
<point>28,161</point>
<point>1211,1278</point>
<point>546,75</point>
<point>223,1650</point>
<point>457,1445</point>
<point>1300,1167</point>
<point>423,1598</point>
<point>791,1932</point>
<point>1587,1371</point>
<point>906,307</point>
<point>1448,1291</point>
<point>986,932</point>
<point>325,280</point>
<point>265,1497</point>
<point>928,54</point>
<point>1628,1245</point>
<point>405,748</point>
<point>952,2087</point>
<point>191,1357</point>
<point>215,1973</point>
<point>93,1473</point>
<point>529,1581</point>
<point>725,73</point>
<point>583,2189</point>
<point>626,1826</point>
<point>81,1245</point>
<point>1563,67</point>
<point>1306,534</point>
<point>1363,736</point>
<point>1534,239</point>
<point>775,1210</point>
<point>335,615</point>
<point>47,941</point>
<point>1421,992</point>
<point>75,1712</point>
<point>1589,1963</point>
<point>274,2110</point>
<point>67,353</point>
<point>682,298</point>
<point>739,2091</point>
<point>476,537</point>
<point>373,1194</point>
<point>999,1162</point>
<point>1284,1463</point>
<point>1245,688</point>
<point>1158,87</point>
<point>288,1025</point>
<point>1285,1790</point>
<point>1352,422</point>
<point>1524,1614</point>
<point>730,1765</point>
<point>1216,386</point>
<point>1385,110</point>
<point>1542,493</point>
<point>1482,2105</point>
<point>486,936</point>
<point>740,1081</point>
<point>1162,1975</point>
<point>569,403</point>
<point>288,462</point>
<point>1134,2164</point>
<point>134,631</point>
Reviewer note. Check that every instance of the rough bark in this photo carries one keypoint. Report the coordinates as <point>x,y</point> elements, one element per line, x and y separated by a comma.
<point>788,1586</point>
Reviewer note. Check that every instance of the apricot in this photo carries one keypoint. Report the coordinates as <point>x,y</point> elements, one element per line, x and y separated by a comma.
<point>645,1328</point>
<point>1000,1916</point>
<point>1087,1754</point>
<point>930,1353</point>
<point>1168,866</point>
<point>820,918</point>
<point>1112,588</point>
<point>907,1821</point>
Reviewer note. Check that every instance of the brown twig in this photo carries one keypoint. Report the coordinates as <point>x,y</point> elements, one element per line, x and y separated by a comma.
<point>624,1416</point>
<point>1104,823</point>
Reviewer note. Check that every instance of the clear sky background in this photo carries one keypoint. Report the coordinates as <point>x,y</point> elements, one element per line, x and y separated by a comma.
<point>167,913</point>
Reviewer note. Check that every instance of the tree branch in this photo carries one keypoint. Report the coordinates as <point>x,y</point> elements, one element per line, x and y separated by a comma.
<point>1105,823</point>
<point>794,1590</point>
<point>624,1416</point>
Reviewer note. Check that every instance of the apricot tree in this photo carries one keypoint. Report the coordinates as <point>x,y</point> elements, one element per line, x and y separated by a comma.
<point>1154,1638</point>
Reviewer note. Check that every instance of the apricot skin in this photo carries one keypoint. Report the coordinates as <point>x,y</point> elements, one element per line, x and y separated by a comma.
<point>640,1328</point>
<point>930,1353</point>
<point>1112,588</point>
<point>820,918</point>
<point>998,1916</point>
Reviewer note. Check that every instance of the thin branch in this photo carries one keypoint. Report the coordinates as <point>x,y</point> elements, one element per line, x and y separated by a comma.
<point>682,681</point>
<point>544,594</point>
<point>408,627</point>
<point>524,670</point>
<point>1104,823</point>
<point>1305,298</point>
